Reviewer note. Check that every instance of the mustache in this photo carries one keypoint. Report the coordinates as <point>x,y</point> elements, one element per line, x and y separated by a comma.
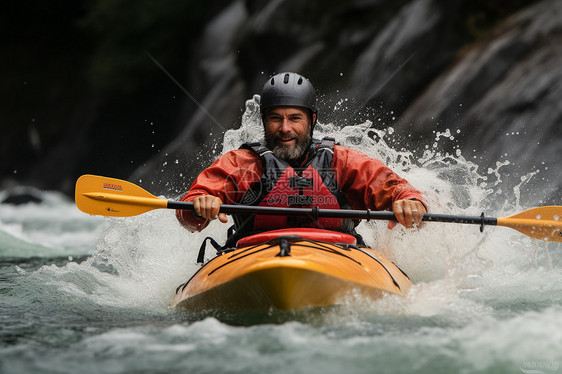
<point>278,139</point>
<point>286,136</point>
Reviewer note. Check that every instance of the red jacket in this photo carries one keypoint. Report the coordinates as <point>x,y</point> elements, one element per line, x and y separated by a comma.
<point>366,182</point>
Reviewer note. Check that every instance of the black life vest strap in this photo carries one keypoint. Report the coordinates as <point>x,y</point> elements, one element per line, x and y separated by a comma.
<point>327,142</point>
<point>256,147</point>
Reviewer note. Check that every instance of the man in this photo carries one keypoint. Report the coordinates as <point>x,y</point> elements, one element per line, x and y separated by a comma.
<point>293,170</point>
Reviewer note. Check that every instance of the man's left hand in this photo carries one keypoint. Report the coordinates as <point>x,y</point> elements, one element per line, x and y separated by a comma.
<point>408,213</point>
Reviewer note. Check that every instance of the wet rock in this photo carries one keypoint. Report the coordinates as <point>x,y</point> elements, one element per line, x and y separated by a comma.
<point>22,195</point>
<point>503,94</point>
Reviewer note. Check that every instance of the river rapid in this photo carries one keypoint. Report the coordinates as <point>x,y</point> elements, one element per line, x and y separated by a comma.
<point>83,294</point>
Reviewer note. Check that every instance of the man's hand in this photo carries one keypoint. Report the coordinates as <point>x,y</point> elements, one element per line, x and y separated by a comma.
<point>408,213</point>
<point>208,207</point>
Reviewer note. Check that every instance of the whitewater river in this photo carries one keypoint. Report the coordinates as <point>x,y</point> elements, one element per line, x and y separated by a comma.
<point>83,294</point>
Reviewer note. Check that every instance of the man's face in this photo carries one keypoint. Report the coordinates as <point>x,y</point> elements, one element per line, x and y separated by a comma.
<point>287,131</point>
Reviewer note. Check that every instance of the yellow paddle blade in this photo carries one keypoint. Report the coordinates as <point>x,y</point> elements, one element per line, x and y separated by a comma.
<point>544,223</point>
<point>103,196</point>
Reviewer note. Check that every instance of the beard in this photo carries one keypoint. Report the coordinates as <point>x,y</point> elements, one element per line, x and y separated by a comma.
<point>288,152</point>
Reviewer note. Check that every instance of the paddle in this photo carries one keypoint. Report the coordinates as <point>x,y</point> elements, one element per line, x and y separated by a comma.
<point>118,198</point>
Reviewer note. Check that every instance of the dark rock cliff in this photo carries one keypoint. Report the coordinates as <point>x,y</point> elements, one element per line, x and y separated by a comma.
<point>175,77</point>
<point>504,94</point>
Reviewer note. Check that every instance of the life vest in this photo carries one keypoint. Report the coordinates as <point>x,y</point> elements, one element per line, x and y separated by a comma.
<point>312,185</point>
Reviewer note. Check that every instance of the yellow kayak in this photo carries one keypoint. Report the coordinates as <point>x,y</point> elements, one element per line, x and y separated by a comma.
<point>290,269</point>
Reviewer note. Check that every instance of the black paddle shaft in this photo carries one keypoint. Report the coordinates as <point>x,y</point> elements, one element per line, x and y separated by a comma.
<point>316,213</point>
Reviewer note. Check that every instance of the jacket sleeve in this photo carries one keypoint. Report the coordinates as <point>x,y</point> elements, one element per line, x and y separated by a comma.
<point>228,178</point>
<point>367,183</point>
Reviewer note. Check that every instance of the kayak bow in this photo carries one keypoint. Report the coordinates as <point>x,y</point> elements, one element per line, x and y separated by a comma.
<point>286,269</point>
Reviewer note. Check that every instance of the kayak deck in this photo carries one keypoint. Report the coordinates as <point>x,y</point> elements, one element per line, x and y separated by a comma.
<point>289,272</point>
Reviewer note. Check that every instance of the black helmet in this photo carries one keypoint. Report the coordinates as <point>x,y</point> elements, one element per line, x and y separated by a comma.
<point>288,89</point>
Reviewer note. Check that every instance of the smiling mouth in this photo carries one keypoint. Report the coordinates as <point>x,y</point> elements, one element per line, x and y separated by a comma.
<point>285,140</point>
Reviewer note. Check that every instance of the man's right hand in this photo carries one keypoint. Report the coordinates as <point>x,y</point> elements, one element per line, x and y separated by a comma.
<point>208,206</point>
